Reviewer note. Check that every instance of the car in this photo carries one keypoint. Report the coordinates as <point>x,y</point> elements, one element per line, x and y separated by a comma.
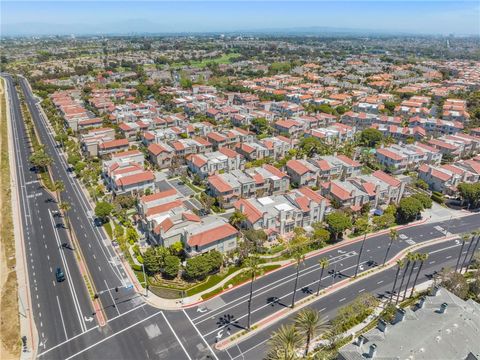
<point>59,275</point>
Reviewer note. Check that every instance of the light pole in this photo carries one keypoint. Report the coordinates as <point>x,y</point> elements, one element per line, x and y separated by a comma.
<point>360,254</point>
<point>448,226</point>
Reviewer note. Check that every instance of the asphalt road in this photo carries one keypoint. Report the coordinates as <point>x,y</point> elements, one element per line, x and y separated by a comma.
<point>44,233</point>
<point>135,330</point>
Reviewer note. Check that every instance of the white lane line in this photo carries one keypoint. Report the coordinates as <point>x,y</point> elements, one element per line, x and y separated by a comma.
<point>108,337</point>
<point>379,282</point>
<point>176,337</point>
<point>61,317</point>
<point>342,299</point>
<point>361,290</point>
<point>199,334</point>
<point>242,354</point>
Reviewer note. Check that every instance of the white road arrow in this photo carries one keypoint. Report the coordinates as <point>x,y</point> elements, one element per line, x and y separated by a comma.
<point>201,310</point>
<point>88,319</point>
<point>219,334</point>
<point>361,267</point>
<point>341,251</point>
<point>43,344</point>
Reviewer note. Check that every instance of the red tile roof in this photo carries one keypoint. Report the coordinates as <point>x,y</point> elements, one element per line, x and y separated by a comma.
<point>136,178</point>
<point>297,167</point>
<point>209,236</point>
<point>159,195</point>
<point>164,207</point>
<point>219,184</point>
<point>156,149</point>
<point>165,225</point>
<point>390,180</point>
<point>114,143</point>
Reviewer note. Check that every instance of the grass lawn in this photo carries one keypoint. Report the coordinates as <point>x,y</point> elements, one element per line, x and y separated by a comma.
<point>224,59</point>
<point>108,228</point>
<point>9,320</point>
<point>240,278</point>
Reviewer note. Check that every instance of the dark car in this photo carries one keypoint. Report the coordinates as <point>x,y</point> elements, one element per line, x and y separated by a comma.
<point>59,275</point>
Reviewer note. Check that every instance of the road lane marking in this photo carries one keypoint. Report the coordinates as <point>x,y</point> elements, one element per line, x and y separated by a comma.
<point>342,299</point>
<point>199,334</point>
<point>361,290</point>
<point>380,282</point>
<point>61,317</point>
<point>106,338</point>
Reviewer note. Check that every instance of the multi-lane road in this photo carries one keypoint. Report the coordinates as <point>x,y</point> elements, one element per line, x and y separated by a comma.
<point>63,312</point>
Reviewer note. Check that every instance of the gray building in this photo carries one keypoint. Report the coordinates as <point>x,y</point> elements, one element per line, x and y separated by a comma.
<point>441,326</point>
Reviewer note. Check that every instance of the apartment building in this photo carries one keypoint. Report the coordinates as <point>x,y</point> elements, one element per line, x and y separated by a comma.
<point>211,163</point>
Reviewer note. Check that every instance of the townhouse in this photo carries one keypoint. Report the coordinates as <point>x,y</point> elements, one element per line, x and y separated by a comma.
<point>302,173</point>
<point>208,164</point>
<point>402,157</point>
<point>336,166</point>
<point>128,178</point>
<point>90,142</point>
<point>278,215</point>
<point>436,126</point>
<point>288,127</point>
<point>335,133</point>
<point>269,180</point>
<point>161,154</point>
<point>229,187</point>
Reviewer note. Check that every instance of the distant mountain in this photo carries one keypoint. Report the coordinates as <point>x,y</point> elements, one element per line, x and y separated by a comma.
<point>145,27</point>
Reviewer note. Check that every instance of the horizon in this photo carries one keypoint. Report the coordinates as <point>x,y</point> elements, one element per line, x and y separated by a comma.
<point>46,18</point>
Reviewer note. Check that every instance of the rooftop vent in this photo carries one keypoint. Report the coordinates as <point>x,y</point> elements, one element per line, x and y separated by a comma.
<point>400,315</point>
<point>372,351</point>
<point>443,308</point>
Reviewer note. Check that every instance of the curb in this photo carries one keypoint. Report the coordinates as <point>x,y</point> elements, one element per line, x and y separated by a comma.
<point>271,319</point>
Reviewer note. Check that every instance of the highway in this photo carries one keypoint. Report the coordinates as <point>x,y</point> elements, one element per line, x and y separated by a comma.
<point>137,330</point>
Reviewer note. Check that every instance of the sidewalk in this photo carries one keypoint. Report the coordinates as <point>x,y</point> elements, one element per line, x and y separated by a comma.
<point>195,300</point>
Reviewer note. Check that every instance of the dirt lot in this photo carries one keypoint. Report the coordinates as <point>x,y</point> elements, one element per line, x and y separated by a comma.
<point>9,318</point>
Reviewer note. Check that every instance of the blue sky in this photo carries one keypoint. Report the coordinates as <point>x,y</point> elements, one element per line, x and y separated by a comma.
<point>428,17</point>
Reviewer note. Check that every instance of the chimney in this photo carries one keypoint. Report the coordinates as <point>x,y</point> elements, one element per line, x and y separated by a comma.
<point>435,290</point>
<point>400,315</point>
<point>443,308</point>
<point>242,208</point>
<point>372,351</point>
<point>421,303</point>
<point>360,340</point>
<point>382,326</point>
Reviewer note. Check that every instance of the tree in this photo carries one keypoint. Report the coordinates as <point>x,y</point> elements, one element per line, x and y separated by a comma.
<point>171,266</point>
<point>337,223</point>
<point>403,277</point>
<point>470,193</point>
<point>103,210</point>
<point>324,263</point>
<point>422,258</point>
<point>297,248</point>
<point>400,264</point>
<point>176,248</point>
<point>151,261</point>
<point>253,268</point>
<point>260,124</point>
<point>424,199</point>
<point>320,235</point>
<point>413,259</point>
<point>59,187</point>
<point>393,237</point>
<point>309,326</point>
<point>237,218</point>
<point>200,266</point>
<point>283,343</point>
<point>421,184</point>
<point>464,238</point>
<point>40,160</point>
<point>65,207</point>
<point>132,235</point>
<point>361,250</point>
<point>371,137</point>
<point>361,225</point>
<point>409,208</point>
<point>383,221</point>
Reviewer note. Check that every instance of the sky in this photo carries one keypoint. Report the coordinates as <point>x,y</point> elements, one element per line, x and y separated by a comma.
<point>95,17</point>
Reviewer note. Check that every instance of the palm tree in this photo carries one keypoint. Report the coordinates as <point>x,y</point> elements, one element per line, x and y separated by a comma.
<point>400,264</point>
<point>65,207</point>
<point>472,238</point>
<point>422,258</point>
<point>477,233</point>
<point>464,238</point>
<point>393,237</point>
<point>361,250</point>
<point>309,325</point>
<point>283,343</point>
<point>59,187</point>
<point>413,258</point>
<point>297,247</point>
<point>323,262</point>
<point>252,267</point>
<point>403,277</point>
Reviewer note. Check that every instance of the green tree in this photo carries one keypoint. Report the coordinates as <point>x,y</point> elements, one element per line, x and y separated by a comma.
<point>132,235</point>
<point>320,235</point>
<point>324,263</point>
<point>151,261</point>
<point>409,208</point>
<point>370,137</point>
<point>171,266</point>
<point>400,264</point>
<point>103,210</point>
<point>237,219</point>
<point>309,325</point>
<point>393,237</point>
<point>176,248</point>
<point>283,343</point>
<point>260,124</point>
<point>253,268</point>
<point>422,258</point>
<point>424,199</point>
<point>40,160</point>
<point>337,223</point>
<point>59,187</point>
<point>470,193</point>
<point>421,184</point>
